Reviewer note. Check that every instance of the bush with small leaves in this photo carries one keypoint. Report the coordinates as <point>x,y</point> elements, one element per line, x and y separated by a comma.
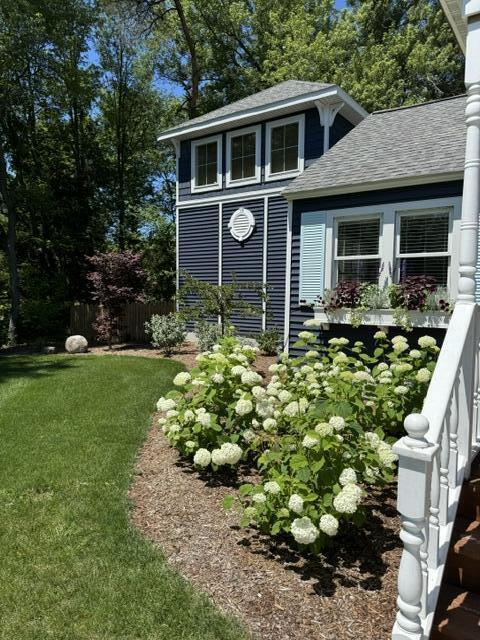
<point>207,335</point>
<point>167,332</point>
<point>269,341</point>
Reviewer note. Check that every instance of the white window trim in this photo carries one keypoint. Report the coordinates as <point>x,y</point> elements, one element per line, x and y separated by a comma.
<point>210,187</point>
<point>432,254</point>
<point>300,119</point>
<point>337,258</point>
<point>390,231</point>
<point>257,130</point>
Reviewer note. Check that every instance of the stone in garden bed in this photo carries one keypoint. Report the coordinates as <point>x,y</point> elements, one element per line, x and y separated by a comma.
<point>76,344</point>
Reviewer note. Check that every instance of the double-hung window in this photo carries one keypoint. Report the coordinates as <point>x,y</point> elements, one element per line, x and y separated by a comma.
<point>207,164</point>
<point>423,245</point>
<point>243,156</point>
<point>285,147</point>
<point>357,250</point>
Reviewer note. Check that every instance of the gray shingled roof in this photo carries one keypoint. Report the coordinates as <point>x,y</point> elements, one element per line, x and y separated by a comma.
<point>409,142</point>
<point>278,93</point>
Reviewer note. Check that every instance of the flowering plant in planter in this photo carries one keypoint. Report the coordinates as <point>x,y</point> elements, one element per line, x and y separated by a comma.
<point>414,293</point>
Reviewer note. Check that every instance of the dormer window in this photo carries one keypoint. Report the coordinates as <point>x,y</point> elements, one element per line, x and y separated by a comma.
<point>207,164</point>
<point>243,156</point>
<point>285,142</point>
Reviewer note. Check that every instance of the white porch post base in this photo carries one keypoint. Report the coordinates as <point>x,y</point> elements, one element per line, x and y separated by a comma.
<point>415,456</point>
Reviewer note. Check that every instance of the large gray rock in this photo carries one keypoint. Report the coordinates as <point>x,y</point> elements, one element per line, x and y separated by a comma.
<point>76,344</point>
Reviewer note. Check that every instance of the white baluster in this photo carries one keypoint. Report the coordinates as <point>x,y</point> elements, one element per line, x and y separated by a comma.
<point>444,460</point>
<point>414,467</point>
<point>476,411</point>
<point>434,530</point>
<point>453,462</point>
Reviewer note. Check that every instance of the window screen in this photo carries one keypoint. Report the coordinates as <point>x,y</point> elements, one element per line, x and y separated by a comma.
<point>243,156</point>
<point>423,246</point>
<point>284,148</point>
<point>357,254</point>
<point>206,164</point>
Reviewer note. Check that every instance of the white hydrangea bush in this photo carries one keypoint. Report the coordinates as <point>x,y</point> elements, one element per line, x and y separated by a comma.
<point>378,389</point>
<point>209,415</point>
<point>332,415</point>
<point>314,481</point>
<point>319,431</point>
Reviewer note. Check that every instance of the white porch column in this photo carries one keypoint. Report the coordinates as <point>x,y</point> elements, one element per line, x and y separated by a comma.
<point>471,187</point>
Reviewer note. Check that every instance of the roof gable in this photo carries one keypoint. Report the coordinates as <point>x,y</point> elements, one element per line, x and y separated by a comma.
<point>284,96</point>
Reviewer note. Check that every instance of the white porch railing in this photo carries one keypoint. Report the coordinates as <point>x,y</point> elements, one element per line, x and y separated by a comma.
<point>434,459</point>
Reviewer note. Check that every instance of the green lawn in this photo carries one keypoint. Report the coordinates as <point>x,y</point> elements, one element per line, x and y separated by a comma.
<point>71,567</point>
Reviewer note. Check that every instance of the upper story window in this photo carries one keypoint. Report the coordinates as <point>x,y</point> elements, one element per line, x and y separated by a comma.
<point>357,255</point>
<point>423,245</point>
<point>207,164</point>
<point>285,147</point>
<point>243,156</point>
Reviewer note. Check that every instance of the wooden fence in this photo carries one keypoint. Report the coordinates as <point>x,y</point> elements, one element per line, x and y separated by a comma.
<point>132,325</point>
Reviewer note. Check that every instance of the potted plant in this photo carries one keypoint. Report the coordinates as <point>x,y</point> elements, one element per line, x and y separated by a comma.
<point>416,301</point>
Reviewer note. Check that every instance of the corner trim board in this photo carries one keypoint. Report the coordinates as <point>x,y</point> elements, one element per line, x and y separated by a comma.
<point>265,258</point>
<point>288,276</point>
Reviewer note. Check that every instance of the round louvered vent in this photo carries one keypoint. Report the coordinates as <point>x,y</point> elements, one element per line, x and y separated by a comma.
<point>241,224</point>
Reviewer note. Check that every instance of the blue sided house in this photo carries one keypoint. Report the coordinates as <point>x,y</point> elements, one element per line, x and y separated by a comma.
<point>299,188</point>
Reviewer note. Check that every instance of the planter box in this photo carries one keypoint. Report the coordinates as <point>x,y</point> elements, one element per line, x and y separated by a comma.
<point>382,318</point>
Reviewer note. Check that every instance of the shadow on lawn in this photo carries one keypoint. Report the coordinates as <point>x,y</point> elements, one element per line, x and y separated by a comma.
<point>355,558</point>
<point>13,366</point>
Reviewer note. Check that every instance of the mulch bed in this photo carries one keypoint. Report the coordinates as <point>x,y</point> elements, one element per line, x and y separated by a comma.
<point>347,592</point>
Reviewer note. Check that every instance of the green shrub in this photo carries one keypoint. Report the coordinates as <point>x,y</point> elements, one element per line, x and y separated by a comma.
<point>167,332</point>
<point>207,334</point>
<point>318,431</point>
<point>269,341</point>
<point>43,320</point>
<point>3,322</point>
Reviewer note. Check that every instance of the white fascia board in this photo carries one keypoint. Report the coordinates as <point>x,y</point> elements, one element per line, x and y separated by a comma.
<point>454,12</point>
<point>351,110</point>
<point>412,181</point>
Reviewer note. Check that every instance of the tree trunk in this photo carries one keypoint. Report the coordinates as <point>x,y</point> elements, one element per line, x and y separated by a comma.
<point>195,67</point>
<point>9,206</point>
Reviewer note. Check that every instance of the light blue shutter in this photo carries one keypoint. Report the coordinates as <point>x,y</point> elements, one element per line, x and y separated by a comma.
<point>312,256</point>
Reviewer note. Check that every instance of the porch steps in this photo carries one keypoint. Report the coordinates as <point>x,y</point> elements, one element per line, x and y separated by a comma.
<point>458,610</point>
